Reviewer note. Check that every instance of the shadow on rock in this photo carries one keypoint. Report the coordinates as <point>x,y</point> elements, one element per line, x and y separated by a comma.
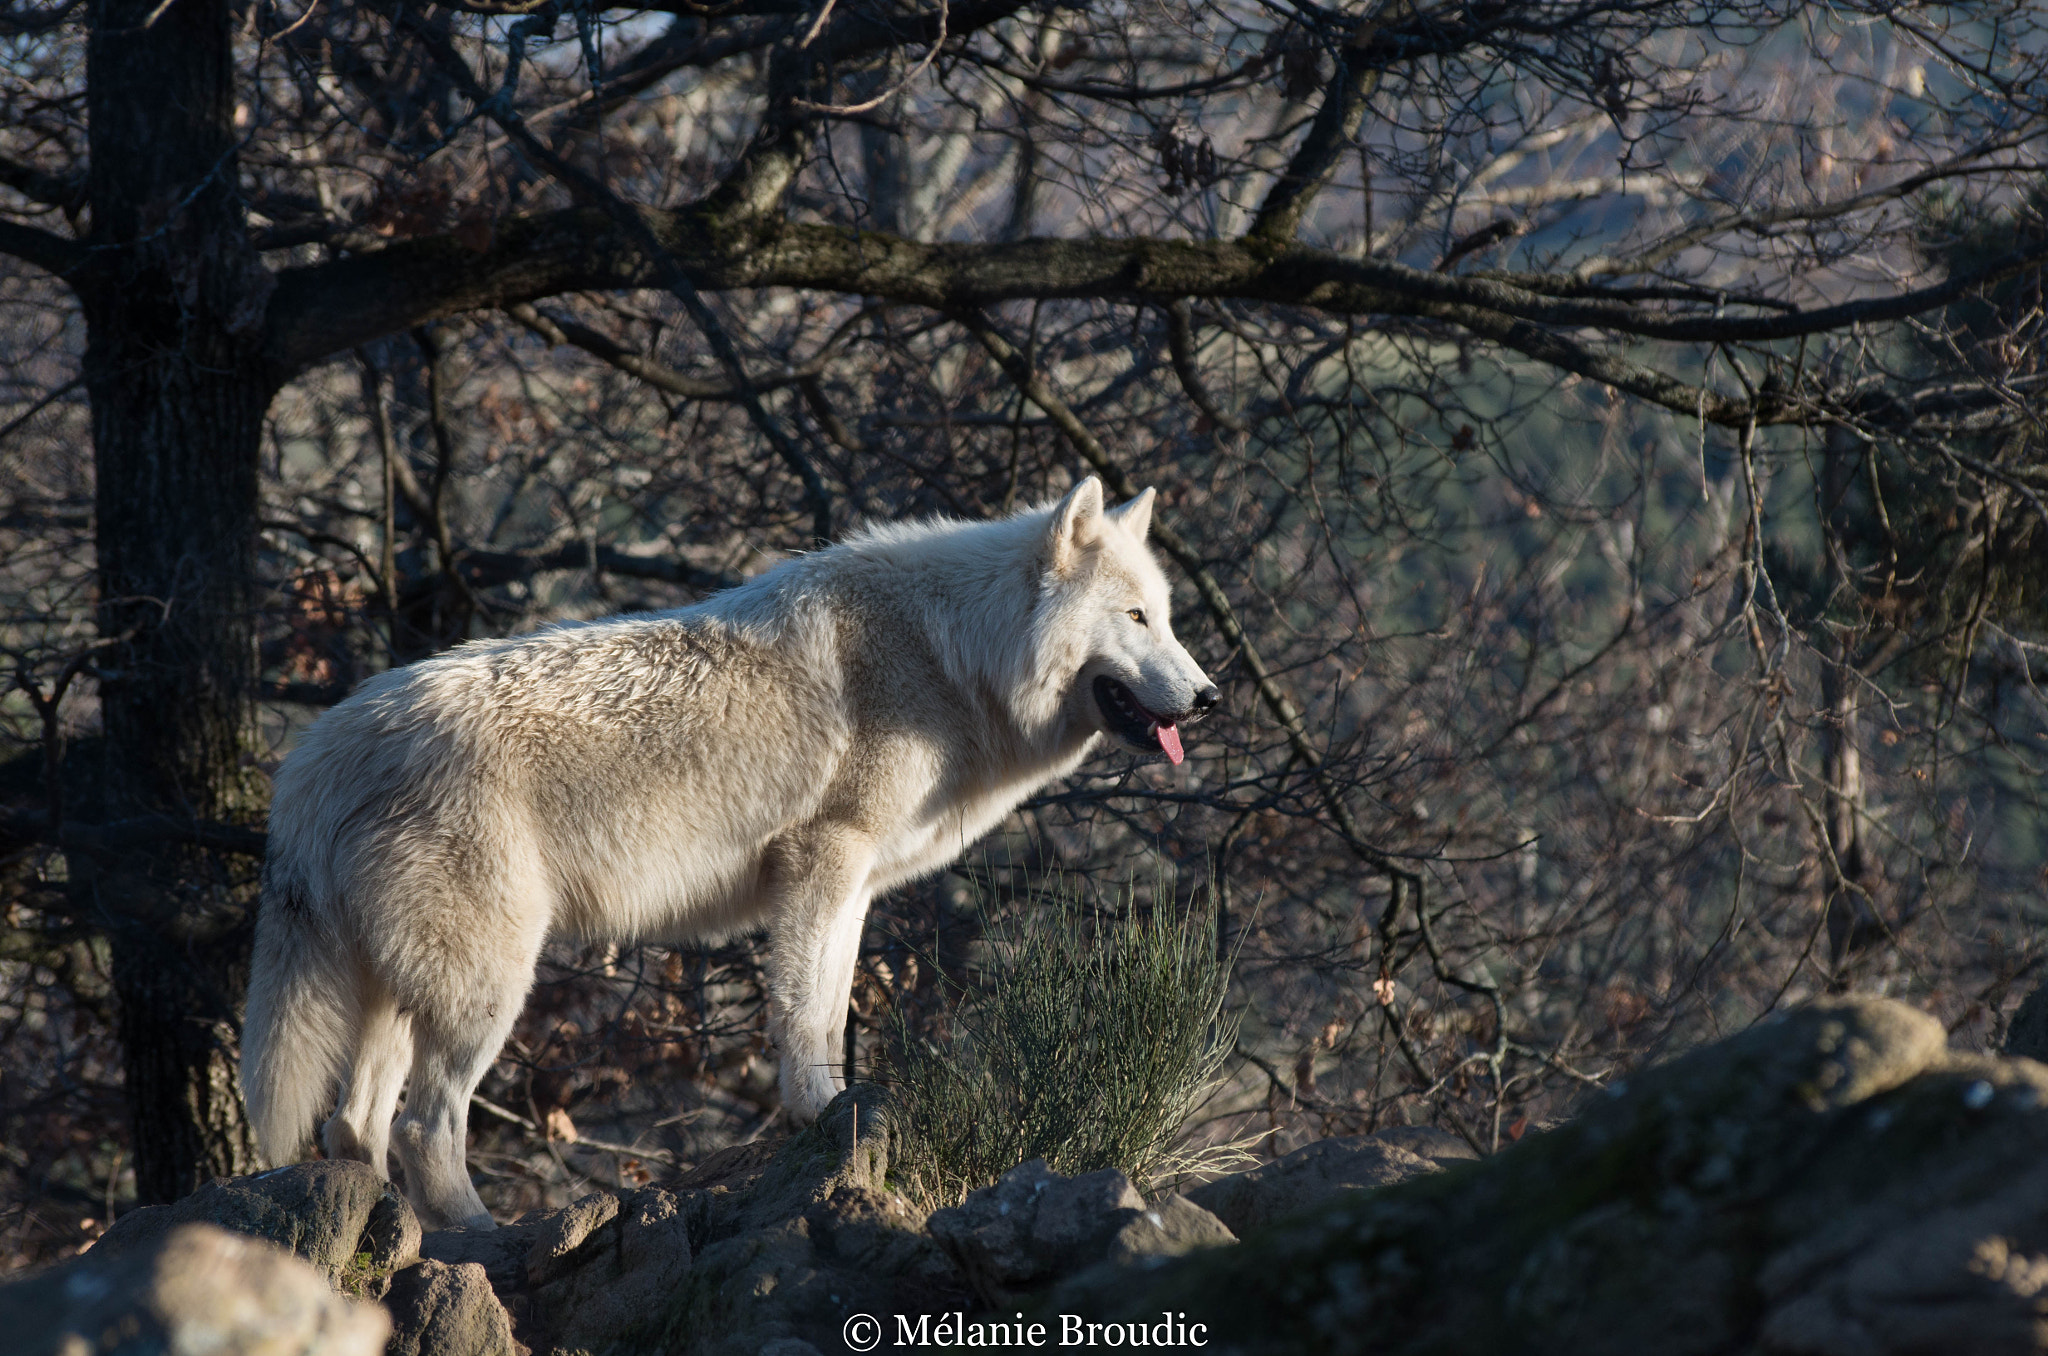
<point>1832,1181</point>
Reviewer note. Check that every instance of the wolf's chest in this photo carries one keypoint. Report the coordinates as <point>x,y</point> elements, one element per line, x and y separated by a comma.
<point>929,844</point>
<point>953,822</point>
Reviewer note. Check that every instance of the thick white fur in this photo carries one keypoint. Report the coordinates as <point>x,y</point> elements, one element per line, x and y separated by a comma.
<point>775,755</point>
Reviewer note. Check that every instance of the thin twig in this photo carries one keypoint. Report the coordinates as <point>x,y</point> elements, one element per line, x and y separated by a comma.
<point>931,54</point>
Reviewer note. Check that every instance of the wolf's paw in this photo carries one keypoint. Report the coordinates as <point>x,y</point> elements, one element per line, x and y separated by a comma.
<point>808,1092</point>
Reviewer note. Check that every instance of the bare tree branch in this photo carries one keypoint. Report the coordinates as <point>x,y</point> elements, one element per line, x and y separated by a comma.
<point>45,249</point>
<point>63,191</point>
<point>482,569</point>
<point>660,377</point>
<point>1180,343</point>
<point>23,827</point>
<point>324,308</point>
<point>1329,136</point>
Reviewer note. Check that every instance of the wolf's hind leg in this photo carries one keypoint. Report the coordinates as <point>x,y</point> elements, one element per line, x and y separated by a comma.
<point>361,1128</point>
<point>452,1052</point>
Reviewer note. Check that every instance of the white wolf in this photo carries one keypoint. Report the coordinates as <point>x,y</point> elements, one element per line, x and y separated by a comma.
<point>775,755</point>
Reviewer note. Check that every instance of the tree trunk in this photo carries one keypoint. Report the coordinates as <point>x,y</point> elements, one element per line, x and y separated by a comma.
<point>174,297</point>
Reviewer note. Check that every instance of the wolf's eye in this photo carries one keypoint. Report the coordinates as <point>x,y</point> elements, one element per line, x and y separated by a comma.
<point>1137,614</point>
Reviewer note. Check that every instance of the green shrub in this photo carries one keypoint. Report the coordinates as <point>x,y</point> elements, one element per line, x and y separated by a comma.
<point>1089,1039</point>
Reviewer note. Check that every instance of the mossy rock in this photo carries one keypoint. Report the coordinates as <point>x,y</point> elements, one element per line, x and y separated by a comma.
<point>1831,1181</point>
<point>341,1216</point>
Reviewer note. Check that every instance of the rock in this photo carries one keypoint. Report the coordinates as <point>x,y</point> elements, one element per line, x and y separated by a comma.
<point>1426,1141</point>
<point>1034,1226</point>
<point>444,1309</point>
<point>995,1234</point>
<point>560,1232</point>
<point>1834,1181</point>
<point>2028,1035</point>
<point>614,1285</point>
<point>339,1215</point>
<point>848,1145</point>
<point>818,1238</point>
<point>1169,1227</point>
<point>187,1290</point>
<point>874,1233</point>
<point>1067,1215</point>
<point>811,1236</point>
<point>736,1166</point>
<point>589,1275</point>
<point>1307,1177</point>
<point>502,1252</point>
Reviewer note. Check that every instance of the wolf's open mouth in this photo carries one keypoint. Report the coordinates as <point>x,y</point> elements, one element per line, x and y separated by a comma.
<point>1132,723</point>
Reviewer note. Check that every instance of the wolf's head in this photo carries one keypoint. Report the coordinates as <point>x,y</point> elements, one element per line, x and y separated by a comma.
<point>1129,678</point>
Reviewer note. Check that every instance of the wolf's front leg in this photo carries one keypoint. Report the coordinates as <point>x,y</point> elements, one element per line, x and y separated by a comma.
<point>818,898</point>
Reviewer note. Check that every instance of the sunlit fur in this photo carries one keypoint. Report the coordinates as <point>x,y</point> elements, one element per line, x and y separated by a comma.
<point>772,757</point>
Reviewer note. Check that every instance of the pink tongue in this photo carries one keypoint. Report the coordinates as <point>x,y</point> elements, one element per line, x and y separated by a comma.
<point>1169,739</point>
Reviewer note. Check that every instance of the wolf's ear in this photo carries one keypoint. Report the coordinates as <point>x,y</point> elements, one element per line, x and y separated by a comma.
<point>1134,516</point>
<point>1076,523</point>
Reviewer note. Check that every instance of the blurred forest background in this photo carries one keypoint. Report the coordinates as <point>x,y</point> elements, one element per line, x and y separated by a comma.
<point>1600,448</point>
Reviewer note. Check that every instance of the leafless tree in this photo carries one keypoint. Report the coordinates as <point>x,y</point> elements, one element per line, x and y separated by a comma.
<point>1600,445</point>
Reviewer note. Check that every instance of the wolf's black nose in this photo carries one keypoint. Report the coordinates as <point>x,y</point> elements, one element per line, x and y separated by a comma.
<point>1205,702</point>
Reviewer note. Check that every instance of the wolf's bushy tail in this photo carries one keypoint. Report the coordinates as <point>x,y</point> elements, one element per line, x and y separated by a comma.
<point>301,1026</point>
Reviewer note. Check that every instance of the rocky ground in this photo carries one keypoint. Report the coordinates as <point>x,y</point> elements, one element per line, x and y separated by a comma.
<point>1834,1182</point>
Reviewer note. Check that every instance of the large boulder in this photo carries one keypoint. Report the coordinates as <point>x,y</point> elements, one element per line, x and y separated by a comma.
<point>188,1290</point>
<point>817,1239</point>
<point>1309,1176</point>
<point>341,1216</point>
<point>1034,1226</point>
<point>1834,1181</point>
